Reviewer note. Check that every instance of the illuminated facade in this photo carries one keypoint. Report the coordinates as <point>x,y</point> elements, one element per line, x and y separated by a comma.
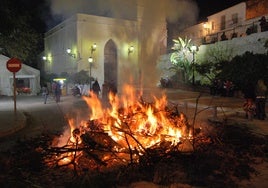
<point>237,21</point>
<point>112,58</point>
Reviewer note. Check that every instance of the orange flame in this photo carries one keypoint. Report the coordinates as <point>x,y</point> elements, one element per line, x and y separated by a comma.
<point>131,122</point>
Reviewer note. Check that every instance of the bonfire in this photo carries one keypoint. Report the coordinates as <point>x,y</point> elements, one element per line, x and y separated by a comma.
<point>122,131</point>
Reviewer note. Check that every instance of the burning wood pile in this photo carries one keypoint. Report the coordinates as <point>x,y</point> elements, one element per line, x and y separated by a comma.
<point>122,132</point>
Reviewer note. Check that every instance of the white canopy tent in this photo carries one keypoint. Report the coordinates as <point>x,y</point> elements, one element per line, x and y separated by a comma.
<point>27,79</point>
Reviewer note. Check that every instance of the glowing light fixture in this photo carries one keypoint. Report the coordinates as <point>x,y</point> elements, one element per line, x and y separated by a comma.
<point>206,27</point>
<point>193,48</point>
<point>93,48</point>
<point>69,52</point>
<point>90,60</point>
<point>47,58</point>
<point>130,49</point>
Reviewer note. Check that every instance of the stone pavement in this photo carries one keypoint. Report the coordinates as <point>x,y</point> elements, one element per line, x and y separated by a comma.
<point>10,121</point>
<point>209,107</point>
<point>216,108</point>
<point>49,116</point>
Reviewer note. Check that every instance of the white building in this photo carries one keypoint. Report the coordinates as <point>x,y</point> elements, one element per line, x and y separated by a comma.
<point>233,22</point>
<point>121,50</point>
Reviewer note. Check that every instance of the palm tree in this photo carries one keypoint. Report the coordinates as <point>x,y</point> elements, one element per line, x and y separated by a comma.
<point>179,60</point>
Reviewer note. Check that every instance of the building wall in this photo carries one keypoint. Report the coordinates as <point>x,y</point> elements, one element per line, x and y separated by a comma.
<point>256,8</point>
<point>211,30</point>
<point>252,43</point>
<point>99,30</point>
<point>233,22</point>
<point>57,41</point>
<point>234,16</point>
<point>81,31</point>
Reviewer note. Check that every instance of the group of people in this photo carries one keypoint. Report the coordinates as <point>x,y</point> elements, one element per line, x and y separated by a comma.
<point>56,90</point>
<point>84,89</point>
<point>255,96</point>
<point>103,92</point>
<point>107,87</point>
<point>222,88</point>
<point>165,82</point>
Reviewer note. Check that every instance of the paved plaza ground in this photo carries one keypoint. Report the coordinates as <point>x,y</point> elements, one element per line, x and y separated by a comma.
<point>51,115</point>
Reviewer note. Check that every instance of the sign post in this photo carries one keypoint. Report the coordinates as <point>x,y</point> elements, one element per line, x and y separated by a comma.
<point>14,65</point>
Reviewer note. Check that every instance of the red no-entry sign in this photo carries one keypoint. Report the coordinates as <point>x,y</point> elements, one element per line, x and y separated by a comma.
<point>13,65</point>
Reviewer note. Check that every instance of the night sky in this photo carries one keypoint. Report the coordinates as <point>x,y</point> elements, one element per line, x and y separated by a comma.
<point>62,9</point>
<point>209,7</point>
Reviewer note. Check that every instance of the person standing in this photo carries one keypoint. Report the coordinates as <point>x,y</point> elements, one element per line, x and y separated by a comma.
<point>261,93</point>
<point>96,88</point>
<point>54,84</point>
<point>45,93</point>
<point>249,105</point>
<point>57,92</point>
<point>263,24</point>
<point>112,88</point>
<point>105,91</point>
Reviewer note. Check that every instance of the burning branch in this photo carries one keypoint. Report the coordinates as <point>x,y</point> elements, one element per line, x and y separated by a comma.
<point>129,127</point>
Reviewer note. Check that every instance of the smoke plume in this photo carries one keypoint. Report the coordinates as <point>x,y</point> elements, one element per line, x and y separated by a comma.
<point>174,11</point>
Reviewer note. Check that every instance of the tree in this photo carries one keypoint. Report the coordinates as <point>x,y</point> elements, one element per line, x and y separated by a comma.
<point>22,42</point>
<point>179,58</point>
<point>245,69</point>
<point>81,77</point>
<point>22,28</point>
<point>219,52</point>
<point>208,70</point>
<point>211,63</point>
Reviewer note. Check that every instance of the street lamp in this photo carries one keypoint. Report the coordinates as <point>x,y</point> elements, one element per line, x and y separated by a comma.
<point>193,50</point>
<point>90,60</point>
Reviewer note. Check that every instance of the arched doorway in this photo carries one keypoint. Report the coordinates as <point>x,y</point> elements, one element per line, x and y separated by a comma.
<point>110,62</point>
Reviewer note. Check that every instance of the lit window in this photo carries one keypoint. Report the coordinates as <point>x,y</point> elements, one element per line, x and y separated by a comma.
<point>212,25</point>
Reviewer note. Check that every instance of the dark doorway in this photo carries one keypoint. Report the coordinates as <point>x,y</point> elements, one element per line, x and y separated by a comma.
<point>110,62</point>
